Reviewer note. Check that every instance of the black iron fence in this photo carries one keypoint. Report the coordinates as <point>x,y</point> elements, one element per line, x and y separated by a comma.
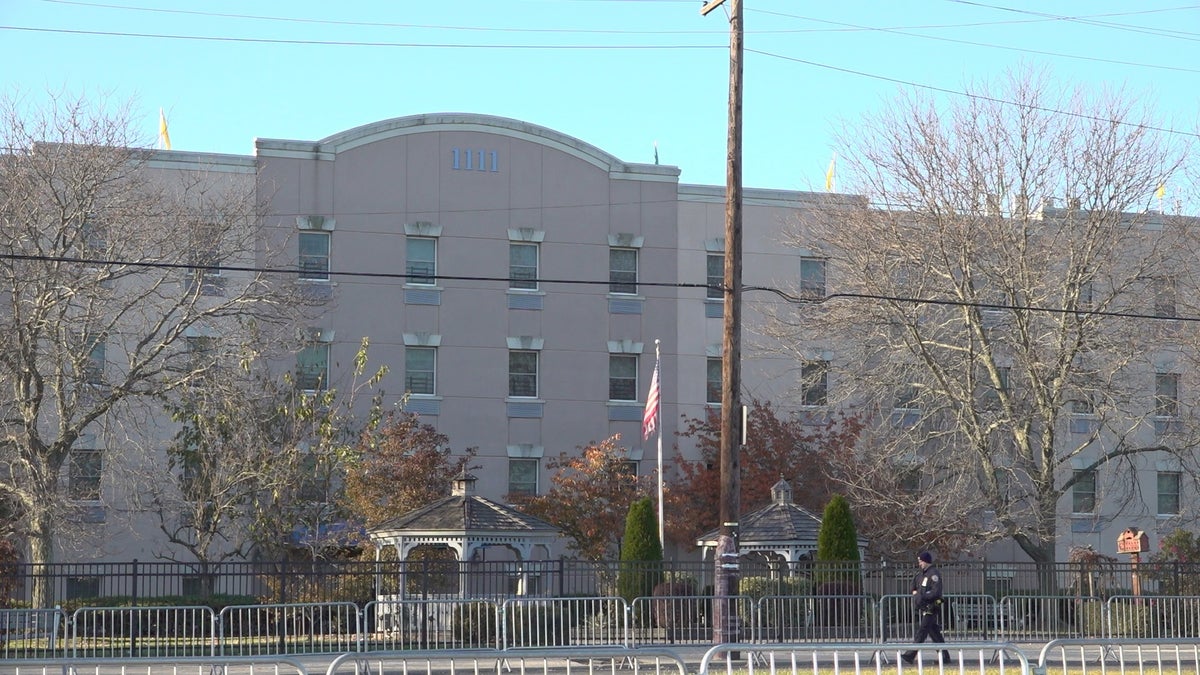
<point>138,583</point>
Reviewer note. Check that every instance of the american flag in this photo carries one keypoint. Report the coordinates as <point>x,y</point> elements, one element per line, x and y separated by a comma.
<point>650,416</point>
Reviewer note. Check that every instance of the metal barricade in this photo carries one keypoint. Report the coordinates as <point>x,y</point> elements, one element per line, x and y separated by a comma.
<point>529,622</point>
<point>29,633</point>
<point>1037,618</point>
<point>183,665</point>
<point>530,661</point>
<point>808,618</point>
<point>1163,616</point>
<point>143,632</point>
<point>969,617</point>
<point>1146,657</point>
<point>671,620</point>
<point>302,628</point>
<point>431,624</point>
<point>818,659</point>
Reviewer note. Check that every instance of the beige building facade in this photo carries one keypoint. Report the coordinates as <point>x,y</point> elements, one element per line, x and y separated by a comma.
<point>515,280</point>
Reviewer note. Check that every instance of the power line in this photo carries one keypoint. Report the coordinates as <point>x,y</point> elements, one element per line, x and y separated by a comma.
<point>384,24</point>
<point>793,299</point>
<point>1182,35</point>
<point>944,90</point>
<point>965,303</point>
<point>1023,50</point>
<point>349,43</point>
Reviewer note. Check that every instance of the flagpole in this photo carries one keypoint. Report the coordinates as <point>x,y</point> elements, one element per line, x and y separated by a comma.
<point>662,543</point>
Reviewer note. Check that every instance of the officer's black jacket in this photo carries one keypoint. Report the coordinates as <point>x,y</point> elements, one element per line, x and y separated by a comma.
<point>928,586</point>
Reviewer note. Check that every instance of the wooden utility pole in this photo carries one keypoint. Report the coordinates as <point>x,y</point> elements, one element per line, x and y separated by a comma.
<point>726,625</point>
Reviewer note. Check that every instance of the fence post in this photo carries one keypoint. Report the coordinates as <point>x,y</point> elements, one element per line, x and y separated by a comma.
<point>133,603</point>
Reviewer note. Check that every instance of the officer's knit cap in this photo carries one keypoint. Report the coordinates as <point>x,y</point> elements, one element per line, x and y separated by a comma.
<point>925,557</point>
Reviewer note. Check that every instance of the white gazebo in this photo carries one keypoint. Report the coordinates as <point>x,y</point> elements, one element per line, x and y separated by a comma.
<point>779,530</point>
<point>466,523</point>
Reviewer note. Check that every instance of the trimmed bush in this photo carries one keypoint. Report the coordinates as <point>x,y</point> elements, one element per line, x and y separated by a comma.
<point>641,552</point>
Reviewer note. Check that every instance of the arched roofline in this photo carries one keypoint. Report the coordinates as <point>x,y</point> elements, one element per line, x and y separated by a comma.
<point>328,148</point>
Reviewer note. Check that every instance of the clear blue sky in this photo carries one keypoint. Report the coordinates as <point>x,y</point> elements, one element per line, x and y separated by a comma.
<point>620,74</point>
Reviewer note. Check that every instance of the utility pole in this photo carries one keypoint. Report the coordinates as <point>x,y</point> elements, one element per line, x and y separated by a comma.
<point>726,624</point>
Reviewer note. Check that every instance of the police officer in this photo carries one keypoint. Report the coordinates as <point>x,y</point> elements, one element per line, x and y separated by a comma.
<point>927,600</point>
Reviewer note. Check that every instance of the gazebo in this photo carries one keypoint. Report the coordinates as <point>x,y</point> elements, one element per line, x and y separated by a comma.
<point>779,530</point>
<point>467,523</point>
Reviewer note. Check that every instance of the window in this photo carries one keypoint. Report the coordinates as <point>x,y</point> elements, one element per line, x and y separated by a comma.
<point>93,238</point>
<point>202,358</point>
<point>205,259</point>
<point>622,270</point>
<point>907,398</point>
<point>1164,297</point>
<point>522,476</point>
<point>628,467</point>
<point>1166,395</point>
<point>312,367</point>
<point>713,381</point>
<point>420,370</point>
<point>812,278</point>
<point>313,484</point>
<point>1083,406</point>
<point>716,276</point>
<point>522,374</point>
<point>1004,374</point>
<point>814,383</point>
<point>523,266</point>
<point>83,477</point>
<point>1083,492</point>
<point>314,256</point>
<point>93,365</point>
<point>992,392</point>
<point>1087,293</point>
<point>622,377</point>
<point>1168,493</point>
<point>420,263</point>
<point>908,479</point>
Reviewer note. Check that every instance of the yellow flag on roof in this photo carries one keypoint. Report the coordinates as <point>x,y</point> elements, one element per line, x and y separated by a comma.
<point>164,137</point>
<point>829,173</point>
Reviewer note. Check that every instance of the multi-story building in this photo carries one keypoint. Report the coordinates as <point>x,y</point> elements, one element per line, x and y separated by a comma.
<point>517,280</point>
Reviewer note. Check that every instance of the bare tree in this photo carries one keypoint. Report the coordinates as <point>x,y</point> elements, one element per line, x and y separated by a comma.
<point>108,265</point>
<point>1001,304</point>
<point>255,461</point>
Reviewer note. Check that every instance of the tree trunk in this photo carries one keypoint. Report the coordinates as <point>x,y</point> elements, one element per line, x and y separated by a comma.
<point>41,557</point>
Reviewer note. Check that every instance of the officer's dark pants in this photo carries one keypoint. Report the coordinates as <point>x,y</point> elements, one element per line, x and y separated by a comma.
<point>928,627</point>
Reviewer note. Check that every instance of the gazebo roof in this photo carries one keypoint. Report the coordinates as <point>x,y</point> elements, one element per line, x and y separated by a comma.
<point>781,527</point>
<point>464,513</point>
<point>465,521</point>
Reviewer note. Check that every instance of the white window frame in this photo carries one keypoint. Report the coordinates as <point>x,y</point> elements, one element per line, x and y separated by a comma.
<point>423,278</point>
<point>1177,494</point>
<point>515,463</point>
<point>319,348</point>
<point>535,374</point>
<point>618,284</point>
<point>518,278</point>
<point>1166,395</point>
<point>629,380</point>
<point>85,486</point>
<point>814,377</point>
<point>714,290</point>
<point>709,383</point>
<point>1078,494</point>
<point>307,270</point>
<point>813,285</point>
<point>410,372</point>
